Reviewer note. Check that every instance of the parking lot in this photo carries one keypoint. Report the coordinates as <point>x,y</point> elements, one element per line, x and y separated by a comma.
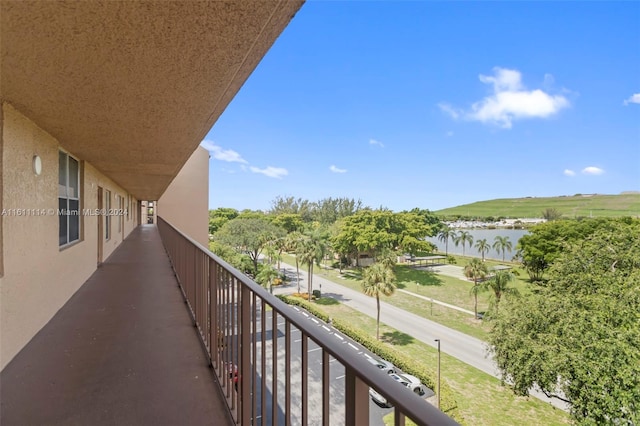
<point>336,375</point>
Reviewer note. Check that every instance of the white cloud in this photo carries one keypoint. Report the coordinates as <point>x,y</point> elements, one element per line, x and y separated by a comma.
<point>375,142</point>
<point>334,169</point>
<point>503,80</point>
<point>218,153</point>
<point>273,172</point>
<point>510,101</point>
<point>449,133</point>
<point>633,99</point>
<point>591,170</point>
<point>568,172</point>
<point>454,113</point>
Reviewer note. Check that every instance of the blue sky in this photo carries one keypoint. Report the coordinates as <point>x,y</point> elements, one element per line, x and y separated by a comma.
<point>436,104</point>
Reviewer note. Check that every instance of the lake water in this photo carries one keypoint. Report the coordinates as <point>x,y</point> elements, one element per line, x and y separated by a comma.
<point>478,234</point>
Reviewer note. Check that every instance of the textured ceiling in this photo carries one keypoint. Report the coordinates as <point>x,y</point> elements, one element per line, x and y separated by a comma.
<point>132,86</point>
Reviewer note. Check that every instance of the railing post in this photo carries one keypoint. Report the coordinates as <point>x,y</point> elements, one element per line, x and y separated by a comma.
<point>213,318</point>
<point>245,355</point>
<point>356,399</point>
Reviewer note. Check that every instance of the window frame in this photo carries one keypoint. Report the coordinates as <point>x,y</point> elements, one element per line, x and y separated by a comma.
<point>69,218</point>
<point>107,216</point>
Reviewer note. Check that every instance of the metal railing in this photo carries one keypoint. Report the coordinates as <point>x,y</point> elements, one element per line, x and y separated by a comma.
<point>267,375</point>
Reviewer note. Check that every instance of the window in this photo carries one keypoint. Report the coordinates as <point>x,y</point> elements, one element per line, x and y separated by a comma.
<point>68,198</point>
<point>107,217</point>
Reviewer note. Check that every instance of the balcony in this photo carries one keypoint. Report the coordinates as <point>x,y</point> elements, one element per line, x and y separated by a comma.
<point>125,349</point>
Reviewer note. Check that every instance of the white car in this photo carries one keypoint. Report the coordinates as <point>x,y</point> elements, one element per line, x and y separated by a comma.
<point>410,382</point>
<point>383,365</point>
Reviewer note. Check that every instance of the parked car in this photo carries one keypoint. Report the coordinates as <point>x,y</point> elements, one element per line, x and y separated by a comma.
<point>412,383</point>
<point>383,365</point>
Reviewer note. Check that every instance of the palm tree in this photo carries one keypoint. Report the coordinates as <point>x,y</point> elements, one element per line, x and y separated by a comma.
<point>502,244</point>
<point>307,254</point>
<point>483,247</point>
<point>312,250</point>
<point>444,236</point>
<point>292,242</point>
<point>266,276</point>
<point>499,284</point>
<point>378,279</point>
<point>463,237</point>
<point>271,252</point>
<point>476,271</point>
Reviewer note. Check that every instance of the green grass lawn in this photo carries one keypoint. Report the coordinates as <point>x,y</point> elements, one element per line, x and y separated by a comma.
<point>570,206</point>
<point>439,287</point>
<point>481,398</point>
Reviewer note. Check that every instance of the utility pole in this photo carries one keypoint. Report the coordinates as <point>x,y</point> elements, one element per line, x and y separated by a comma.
<point>438,340</point>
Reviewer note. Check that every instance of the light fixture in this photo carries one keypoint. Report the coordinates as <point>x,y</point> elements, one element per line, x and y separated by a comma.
<point>37,165</point>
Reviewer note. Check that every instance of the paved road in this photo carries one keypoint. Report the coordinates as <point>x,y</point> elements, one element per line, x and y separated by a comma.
<point>465,348</point>
<point>336,377</point>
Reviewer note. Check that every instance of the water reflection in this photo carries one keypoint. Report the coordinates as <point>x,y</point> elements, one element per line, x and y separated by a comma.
<point>489,234</point>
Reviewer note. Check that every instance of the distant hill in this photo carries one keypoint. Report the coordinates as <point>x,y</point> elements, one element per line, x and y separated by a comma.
<point>585,205</point>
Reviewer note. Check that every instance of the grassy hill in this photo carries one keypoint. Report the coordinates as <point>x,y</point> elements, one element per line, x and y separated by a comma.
<point>625,204</point>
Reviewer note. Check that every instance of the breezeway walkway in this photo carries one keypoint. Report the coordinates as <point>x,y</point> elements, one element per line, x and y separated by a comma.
<point>121,351</point>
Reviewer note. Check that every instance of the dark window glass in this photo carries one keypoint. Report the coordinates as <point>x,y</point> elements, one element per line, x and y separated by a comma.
<point>62,206</point>
<point>68,199</point>
<point>74,220</point>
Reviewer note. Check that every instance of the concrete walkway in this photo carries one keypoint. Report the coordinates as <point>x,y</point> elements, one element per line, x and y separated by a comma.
<point>121,351</point>
<point>437,302</point>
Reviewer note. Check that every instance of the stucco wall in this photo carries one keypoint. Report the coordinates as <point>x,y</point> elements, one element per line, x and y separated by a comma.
<point>39,276</point>
<point>185,203</point>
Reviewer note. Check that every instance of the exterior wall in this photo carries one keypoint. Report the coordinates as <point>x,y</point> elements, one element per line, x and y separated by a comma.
<point>185,203</point>
<point>39,276</point>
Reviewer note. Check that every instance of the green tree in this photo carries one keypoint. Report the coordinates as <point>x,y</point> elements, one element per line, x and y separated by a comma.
<point>219,217</point>
<point>483,247</point>
<point>499,285</point>
<point>266,276</point>
<point>476,271</point>
<point>311,250</point>
<point>378,279</point>
<point>551,214</point>
<point>464,238</point>
<point>374,231</point>
<point>293,242</point>
<point>328,210</point>
<point>539,249</point>
<point>445,235</point>
<point>291,222</point>
<point>291,205</point>
<point>248,235</point>
<point>578,337</point>
<point>271,251</point>
<point>502,244</point>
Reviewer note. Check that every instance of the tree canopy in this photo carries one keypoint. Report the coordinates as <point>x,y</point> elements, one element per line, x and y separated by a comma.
<point>546,241</point>
<point>219,217</point>
<point>325,211</point>
<point>248,235</point>
<point>578,338</point>
<point>375,231</point>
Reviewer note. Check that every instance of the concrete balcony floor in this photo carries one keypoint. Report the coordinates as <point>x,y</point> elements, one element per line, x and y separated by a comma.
<point>121,351</point>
